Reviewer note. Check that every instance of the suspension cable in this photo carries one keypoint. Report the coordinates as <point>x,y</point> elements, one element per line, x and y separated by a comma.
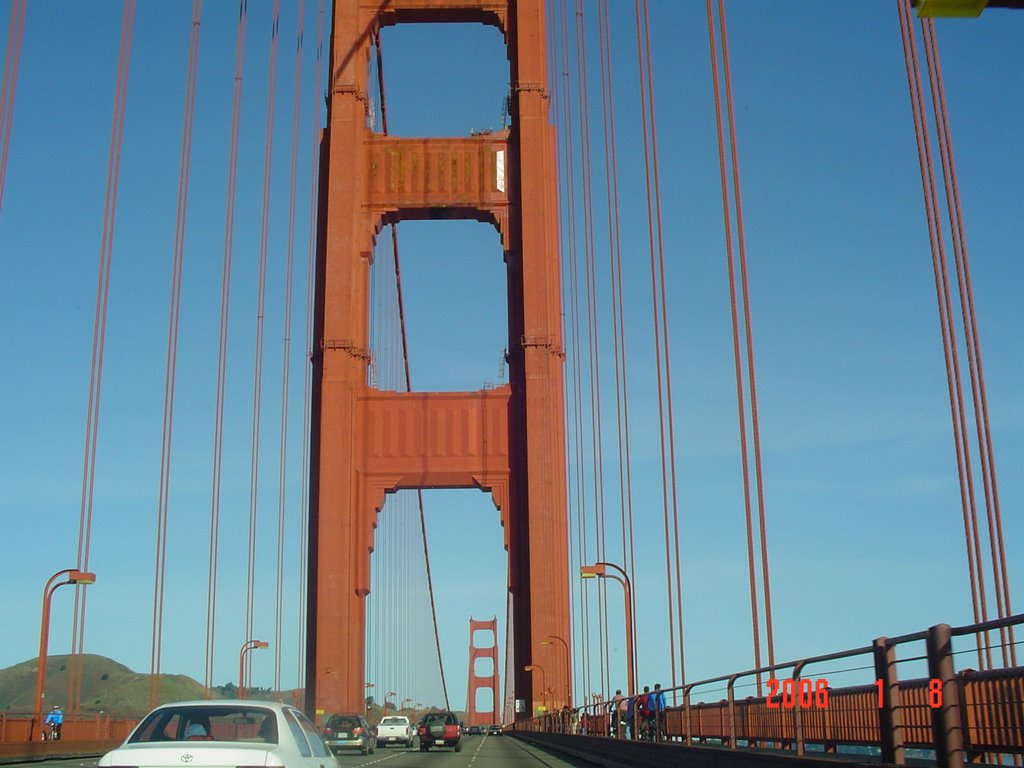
<point>953,380</point>
<point>254,462</point>
<point>99,329</point>
<point>660,327</point>
<point>222,349</point>
<point>972,340</point>
<point>172,357</point>
<point>575,367</point>
<point>10,84</point>
<point>748,342</point>
<point>306,389</point>
<point>618,303</point>
<point>593,338</point>
<point>286,342</point>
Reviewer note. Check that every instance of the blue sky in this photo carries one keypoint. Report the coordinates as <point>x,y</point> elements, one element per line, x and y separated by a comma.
<point>861,494</point>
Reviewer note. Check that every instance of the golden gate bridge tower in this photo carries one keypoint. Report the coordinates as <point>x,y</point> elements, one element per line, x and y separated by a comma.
<point>366,442</point>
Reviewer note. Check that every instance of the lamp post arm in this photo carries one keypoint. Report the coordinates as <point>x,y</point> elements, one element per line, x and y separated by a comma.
<point>44,634</point>
<point>628,595</point>
<point>628,588</point>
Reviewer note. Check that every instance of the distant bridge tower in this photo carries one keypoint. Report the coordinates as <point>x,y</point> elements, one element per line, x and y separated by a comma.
<point>480,682</point>
<point>366,442</point>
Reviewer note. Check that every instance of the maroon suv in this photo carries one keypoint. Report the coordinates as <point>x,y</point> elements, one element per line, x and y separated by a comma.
<point>440,729</point>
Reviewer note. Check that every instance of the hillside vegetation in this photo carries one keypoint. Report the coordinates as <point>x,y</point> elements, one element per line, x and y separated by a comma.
<point>107,687</point>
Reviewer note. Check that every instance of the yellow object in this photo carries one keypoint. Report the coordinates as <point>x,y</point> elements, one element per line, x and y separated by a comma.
<point>928,9</point>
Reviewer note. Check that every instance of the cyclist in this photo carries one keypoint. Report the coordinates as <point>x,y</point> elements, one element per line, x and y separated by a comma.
<point>53,723</point>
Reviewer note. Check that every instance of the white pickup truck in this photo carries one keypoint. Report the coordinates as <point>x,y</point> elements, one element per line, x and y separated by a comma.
<point>395,729</point>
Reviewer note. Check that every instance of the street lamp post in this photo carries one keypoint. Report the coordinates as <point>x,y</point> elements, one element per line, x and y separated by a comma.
<point>601,570</point>
<point>568,680</point>
<point>74,576</point>
<point>389,693</point>
<point>403,703</point>
<point>543,686</point>
<point>247,646</point>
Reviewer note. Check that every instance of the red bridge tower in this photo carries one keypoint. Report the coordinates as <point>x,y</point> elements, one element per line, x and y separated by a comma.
<point>366,442</point>
<point>479,682</point>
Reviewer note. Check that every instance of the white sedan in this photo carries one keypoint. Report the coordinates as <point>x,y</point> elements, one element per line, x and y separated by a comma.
<point>217,733</point>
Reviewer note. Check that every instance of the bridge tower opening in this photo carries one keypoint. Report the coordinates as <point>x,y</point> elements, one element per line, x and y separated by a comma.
<point>509,440</point>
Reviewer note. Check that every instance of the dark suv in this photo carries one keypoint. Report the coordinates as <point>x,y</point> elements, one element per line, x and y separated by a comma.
<point>349,732</point>
<point>440,729</point>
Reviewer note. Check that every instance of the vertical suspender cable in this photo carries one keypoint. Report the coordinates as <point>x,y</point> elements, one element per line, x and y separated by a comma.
<point>972,340</point>
<point>310,283</point>
<point>561,88</point>
<point>172,357</point>
<point>569,184</point>
<point>618,304</point>
<point>286,342</point>
<point>747,340</point>
<point>99,329</point>
<point>10,84</point>
<point>960,438</point>
<point>593,338</point>
<point>661,332</point>
<point>751,377</point>
<point>222,347</point>
<point>254,461</point>
<point>408,381</point>
<point>655,165</point>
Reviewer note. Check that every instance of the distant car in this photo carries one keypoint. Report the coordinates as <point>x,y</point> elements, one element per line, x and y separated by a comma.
<point>474,730</point>
<point>344,731</point>
<point>224,734</point>
<point>395,729</point>
<point>494,730</point>
<point>440,729</point>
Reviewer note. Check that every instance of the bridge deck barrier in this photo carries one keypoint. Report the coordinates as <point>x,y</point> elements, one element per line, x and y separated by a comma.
<point>967,715</point>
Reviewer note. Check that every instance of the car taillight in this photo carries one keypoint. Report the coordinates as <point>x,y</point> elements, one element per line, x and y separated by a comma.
<point>358,730</point>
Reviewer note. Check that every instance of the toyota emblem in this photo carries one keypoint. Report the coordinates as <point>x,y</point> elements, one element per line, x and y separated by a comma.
<point>186,758</point>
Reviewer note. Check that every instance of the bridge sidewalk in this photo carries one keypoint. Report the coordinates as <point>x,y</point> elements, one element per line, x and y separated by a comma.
<point>623,753</point>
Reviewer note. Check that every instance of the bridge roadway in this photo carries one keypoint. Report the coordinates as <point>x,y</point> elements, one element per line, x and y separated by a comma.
<point>477,752</point>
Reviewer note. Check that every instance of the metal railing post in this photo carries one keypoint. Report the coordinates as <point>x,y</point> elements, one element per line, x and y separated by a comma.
<point>732,713</point>
<point>890,714</point>
<point>946,733</point>
<point>687,729</point>
<point>798,722</point>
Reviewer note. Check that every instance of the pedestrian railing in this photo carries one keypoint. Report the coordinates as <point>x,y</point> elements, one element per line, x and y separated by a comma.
<point>965,714</point>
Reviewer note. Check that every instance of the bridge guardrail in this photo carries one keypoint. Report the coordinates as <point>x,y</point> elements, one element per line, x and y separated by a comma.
<point>966,714</point>
<point>18,728</point>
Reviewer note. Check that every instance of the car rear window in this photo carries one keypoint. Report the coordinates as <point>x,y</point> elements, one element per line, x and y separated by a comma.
<point>337,723</point>
<point>207,723</point>
<point>392,721</point>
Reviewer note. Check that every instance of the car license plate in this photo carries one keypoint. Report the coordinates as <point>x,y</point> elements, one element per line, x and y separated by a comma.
<point>342,734</point>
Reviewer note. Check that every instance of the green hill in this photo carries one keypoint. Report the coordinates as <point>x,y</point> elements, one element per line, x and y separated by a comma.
<point>107,686</point>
